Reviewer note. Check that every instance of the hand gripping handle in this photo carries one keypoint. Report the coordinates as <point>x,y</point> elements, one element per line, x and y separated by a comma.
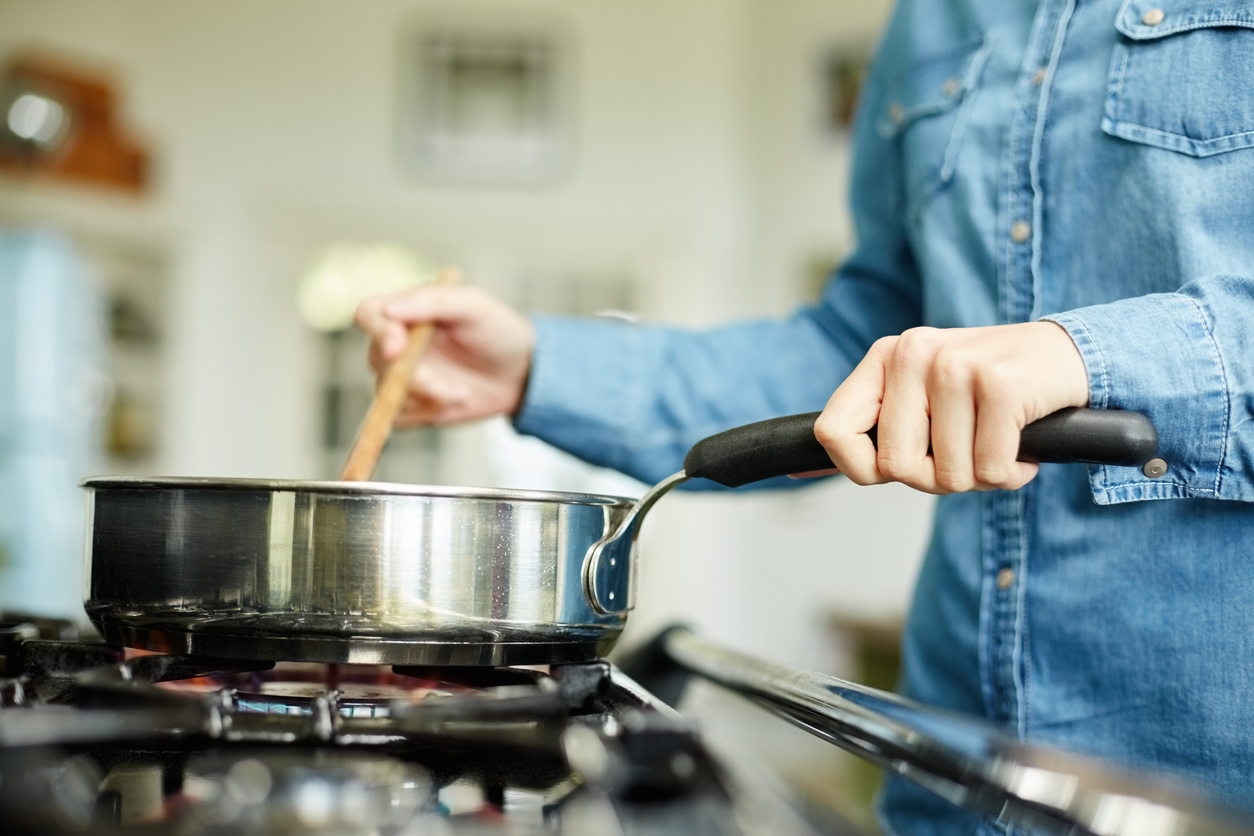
<point>787,445</point>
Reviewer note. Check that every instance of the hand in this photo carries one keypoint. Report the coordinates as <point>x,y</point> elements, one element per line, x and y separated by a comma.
<point>968,392</point>
<point>478,361</point>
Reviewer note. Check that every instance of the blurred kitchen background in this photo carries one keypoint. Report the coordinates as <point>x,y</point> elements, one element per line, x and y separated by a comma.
<point>193,195</point>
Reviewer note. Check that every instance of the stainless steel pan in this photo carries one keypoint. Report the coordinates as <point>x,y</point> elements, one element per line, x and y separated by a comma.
<point>416,575</point>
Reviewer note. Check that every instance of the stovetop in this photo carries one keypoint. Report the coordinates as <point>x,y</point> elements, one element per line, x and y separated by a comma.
<point>95,739</point>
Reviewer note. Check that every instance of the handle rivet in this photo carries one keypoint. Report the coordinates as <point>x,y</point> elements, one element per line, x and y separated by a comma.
<point>1154,468</point>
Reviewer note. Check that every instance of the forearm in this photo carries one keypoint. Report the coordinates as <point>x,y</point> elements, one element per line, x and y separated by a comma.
<point>636,397</point>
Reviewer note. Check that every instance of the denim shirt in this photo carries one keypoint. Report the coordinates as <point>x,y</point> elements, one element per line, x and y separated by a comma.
<point>1086,161</point>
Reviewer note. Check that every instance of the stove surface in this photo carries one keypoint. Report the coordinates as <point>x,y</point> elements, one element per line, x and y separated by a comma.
<point>100,740</point>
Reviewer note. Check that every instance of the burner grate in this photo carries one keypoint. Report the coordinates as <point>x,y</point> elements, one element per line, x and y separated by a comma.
<point>93,737</point>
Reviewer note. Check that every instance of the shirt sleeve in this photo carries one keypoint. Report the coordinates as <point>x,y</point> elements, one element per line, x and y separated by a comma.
<point>636,397</point>
<point>1182,359</point>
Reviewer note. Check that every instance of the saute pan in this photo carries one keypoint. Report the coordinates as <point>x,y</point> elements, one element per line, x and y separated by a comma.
<point>367,572</point>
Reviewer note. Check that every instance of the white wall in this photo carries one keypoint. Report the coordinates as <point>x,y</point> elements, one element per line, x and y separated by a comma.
<point>697,170</point>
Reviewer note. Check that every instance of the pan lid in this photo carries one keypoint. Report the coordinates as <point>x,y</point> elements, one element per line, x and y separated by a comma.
<point>200,483</point>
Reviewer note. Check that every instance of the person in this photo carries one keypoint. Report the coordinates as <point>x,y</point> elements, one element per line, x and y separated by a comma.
<point>1053,205</point>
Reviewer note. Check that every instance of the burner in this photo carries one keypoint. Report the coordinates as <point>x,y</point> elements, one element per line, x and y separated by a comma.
<point>92,738</point>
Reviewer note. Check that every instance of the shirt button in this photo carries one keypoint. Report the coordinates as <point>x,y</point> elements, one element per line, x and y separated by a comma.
<point>1154,468</point>
<point>896,112</point>
<point>951,88</point>
<point>1005,578</point>
<point>1038,77</point>
<point>1020,231</point>
<point>1153,17</point>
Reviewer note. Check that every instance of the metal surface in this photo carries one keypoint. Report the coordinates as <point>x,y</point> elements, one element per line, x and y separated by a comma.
<point>610,590</point>
<point>352,572</point>
<point>95,743</point>
<point>966,761</point>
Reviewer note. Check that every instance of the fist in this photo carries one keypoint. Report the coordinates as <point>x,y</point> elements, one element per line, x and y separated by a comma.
<point>950,404</point>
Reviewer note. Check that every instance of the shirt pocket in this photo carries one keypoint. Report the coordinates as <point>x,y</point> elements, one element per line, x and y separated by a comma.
<point>1182,76</point>
<point>925,111</point>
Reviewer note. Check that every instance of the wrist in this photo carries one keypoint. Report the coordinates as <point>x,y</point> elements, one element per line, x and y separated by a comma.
<point>1068,374</point>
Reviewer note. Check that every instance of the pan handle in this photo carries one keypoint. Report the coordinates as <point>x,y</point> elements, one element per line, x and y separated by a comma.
<point>609,567</point>
<point>787,445</point>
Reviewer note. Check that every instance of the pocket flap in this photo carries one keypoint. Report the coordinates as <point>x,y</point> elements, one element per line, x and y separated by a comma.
<point>1147,20</point>
<point>929,86</point>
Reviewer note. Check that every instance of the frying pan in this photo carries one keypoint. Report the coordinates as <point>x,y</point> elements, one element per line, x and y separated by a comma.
<point>366,572</point>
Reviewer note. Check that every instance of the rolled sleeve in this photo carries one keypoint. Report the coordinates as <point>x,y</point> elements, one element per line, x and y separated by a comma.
<point>636,397</point>
<point>586,390</point>
<point>1163,355</point>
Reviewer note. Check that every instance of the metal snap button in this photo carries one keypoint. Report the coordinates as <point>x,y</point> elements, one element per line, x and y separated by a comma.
<point>1005,578</point>
<point>1038,77</point>
<point>896,112</point>
<point>1153,17</point>
<point>1154,468</point>
<point>951,88</point>
<point>1020,231</point>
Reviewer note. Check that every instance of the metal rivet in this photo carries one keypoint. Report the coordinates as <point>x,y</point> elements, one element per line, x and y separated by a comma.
<point>1005,578</point>
<point>1154,468</point>
<point>1153,17</point>
<point>952,86</point>
<point>896,112</point>
<point>1020,231</point>
<point>1038,77</point>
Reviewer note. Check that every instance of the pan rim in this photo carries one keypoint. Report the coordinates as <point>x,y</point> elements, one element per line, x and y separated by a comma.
<point>348,488</point>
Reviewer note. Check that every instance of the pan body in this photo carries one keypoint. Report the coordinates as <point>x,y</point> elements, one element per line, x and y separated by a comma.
<point>346,572</point>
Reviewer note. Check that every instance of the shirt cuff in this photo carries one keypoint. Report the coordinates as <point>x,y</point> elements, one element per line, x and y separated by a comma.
<point>1157,355</point>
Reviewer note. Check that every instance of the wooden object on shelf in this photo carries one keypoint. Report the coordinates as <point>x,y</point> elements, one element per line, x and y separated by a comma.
<point>95,149</point>
<point>389,398</point>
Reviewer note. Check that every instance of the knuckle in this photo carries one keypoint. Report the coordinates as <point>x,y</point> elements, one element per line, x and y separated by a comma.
<point>915,341</point>
<point>825,431</point>
<point>993,473</point>
<point>954,481</point>
<point>953,366</point>
<point>895,467</point>
<point>884,345</point>
<point>995,380</point>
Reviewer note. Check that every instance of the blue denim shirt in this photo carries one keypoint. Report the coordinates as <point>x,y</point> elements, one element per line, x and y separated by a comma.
<point>1068,159</point>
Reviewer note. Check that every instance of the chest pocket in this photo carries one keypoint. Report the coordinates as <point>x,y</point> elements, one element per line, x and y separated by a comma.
<point>1182,76</point>
<point>926,110</point>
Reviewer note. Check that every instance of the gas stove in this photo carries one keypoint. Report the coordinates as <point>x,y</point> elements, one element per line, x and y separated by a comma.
<point>98,739</point>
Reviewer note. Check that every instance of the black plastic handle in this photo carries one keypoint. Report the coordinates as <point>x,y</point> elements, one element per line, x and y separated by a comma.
<point>787,445</point>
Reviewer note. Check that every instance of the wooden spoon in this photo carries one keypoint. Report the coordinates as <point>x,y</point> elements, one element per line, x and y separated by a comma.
<point>389,397</point>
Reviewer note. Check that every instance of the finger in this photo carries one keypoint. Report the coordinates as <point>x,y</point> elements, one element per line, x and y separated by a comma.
<point>851,411</point>
<point>369,316</point>
<point>952,406</point>
<point>905,422</point>
<point>813,474</point>
<point>388,336</point>
<point>387,318</point>
<point>439,398</point>
<point>996,448</point>
<point>436,303</point>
